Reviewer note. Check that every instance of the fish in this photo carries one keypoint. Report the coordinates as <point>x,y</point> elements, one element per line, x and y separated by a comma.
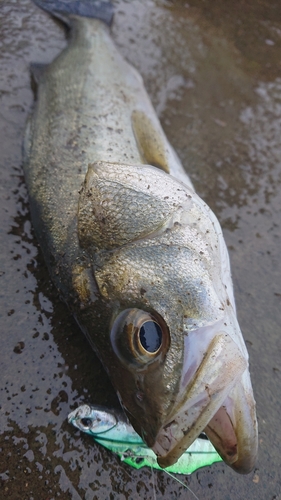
<point>136,254</point>
<point>112,430</point>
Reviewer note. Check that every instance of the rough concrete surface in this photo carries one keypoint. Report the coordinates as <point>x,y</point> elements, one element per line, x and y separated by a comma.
<point>213,71</point>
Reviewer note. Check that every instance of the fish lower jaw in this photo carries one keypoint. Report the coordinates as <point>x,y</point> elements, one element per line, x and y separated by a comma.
<point>220,431</point>
<point>232,431</point>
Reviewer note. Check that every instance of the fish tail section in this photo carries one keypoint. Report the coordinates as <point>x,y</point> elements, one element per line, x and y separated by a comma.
<point>65,9</point>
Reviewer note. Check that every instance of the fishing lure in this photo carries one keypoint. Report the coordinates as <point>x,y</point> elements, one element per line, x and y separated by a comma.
<point>112,430</point>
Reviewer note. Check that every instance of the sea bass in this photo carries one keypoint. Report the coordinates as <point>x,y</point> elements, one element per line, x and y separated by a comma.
<point>138,257</point>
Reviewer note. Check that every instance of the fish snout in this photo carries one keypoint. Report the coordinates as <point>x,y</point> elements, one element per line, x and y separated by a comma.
<point>218,400</point>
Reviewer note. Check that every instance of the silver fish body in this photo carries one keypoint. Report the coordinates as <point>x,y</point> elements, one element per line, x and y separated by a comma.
<point>139,258</point>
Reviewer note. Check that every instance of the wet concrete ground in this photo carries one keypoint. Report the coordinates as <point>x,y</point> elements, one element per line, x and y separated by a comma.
<point>213,71</point>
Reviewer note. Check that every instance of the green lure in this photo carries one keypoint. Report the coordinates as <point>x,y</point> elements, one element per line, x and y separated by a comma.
<point>113,431</point>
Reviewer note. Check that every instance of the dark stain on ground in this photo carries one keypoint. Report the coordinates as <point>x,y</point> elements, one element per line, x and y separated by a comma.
<point>213,71</point>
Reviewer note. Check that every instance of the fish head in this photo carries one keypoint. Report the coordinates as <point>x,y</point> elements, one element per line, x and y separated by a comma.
<point>172,347</point>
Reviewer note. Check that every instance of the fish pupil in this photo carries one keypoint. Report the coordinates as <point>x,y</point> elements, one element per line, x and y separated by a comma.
<point>150,336</point>
<point>86,422</point>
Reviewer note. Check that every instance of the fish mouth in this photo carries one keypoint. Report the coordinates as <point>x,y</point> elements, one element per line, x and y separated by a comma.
<point>220,402</point>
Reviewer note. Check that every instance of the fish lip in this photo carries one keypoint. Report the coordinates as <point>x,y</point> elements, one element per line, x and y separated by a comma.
<point>221,368</point>
<point>239,412</point>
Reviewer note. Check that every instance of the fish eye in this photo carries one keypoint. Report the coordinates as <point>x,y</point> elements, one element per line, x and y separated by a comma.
<point>150,336</point>
<point>139,337</point>
<point>86,422</point>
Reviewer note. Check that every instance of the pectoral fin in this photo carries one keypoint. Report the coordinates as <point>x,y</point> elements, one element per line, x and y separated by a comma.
<point>37,71</point>
<point>151,142</point>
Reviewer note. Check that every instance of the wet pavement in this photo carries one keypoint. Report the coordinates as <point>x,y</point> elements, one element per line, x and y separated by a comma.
<point>213,71</point>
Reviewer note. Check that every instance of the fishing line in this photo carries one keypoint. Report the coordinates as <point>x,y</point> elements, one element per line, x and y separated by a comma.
<point>173,477</point>
<point>153,482</point>
<point>179,481</point>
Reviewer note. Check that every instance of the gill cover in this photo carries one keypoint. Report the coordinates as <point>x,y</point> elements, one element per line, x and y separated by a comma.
<point>122,203</point>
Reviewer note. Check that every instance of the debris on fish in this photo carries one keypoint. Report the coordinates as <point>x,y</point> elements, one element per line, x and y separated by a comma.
<point>112,430</point>
<point>138,257</point>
